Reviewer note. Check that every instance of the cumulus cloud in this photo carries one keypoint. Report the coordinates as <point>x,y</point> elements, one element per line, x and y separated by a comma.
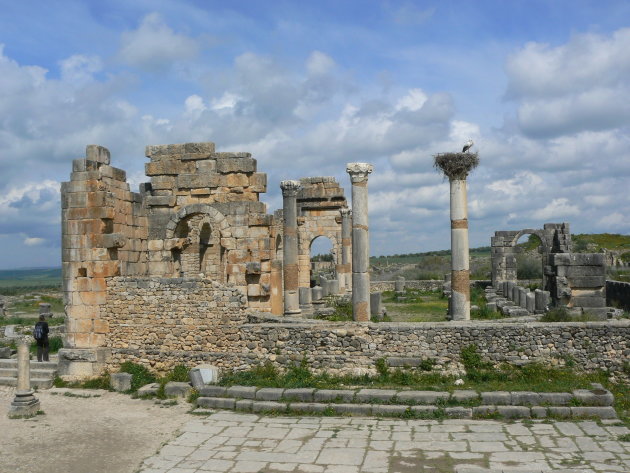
<point>556,209</point>
<point>79,69</point>
<point>154,46</point>
<point>33,241</point>
<point>578,86</point>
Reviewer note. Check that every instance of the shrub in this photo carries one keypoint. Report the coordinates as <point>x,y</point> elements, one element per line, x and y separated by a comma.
<point>140,374</point>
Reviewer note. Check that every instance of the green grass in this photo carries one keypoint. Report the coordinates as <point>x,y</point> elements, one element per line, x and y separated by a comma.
<point>418,306</point>
<point>30,304</point>
<point>54,345</point>
<point>20,281</point>
<point>28,321</point>
<point>562,315</point>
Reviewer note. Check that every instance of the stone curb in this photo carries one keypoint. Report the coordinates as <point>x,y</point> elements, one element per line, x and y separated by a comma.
<point>595,397</point>
<point>397,410</point>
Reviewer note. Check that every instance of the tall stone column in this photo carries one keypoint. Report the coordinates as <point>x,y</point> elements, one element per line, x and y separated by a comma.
<point>360,241</point>
<point>456,167</point>
<point>346,249</point>
<point>290,247</point>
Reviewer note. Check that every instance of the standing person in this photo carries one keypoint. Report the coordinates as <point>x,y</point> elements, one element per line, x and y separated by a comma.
<point>41,337</point>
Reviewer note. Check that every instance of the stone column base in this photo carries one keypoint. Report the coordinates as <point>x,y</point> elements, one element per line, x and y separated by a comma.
<point>24,405</point>
<point>82,363</point>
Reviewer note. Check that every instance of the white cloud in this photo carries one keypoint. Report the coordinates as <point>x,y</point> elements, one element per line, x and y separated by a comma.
<point>581,85</point>
<point>154,46</point>
<point>319,63</point>
<point>614,220</point>
<point>556,210</point>
<point>33,241</point>
<point>79,69</point>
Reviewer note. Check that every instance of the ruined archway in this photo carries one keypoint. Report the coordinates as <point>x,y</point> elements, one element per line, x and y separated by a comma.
<point>322,258</point>
<point>194,235</point>
<point>554,238</point>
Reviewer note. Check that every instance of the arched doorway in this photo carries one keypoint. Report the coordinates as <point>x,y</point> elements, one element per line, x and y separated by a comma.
<point>322,258</point>
<point>529,258</point>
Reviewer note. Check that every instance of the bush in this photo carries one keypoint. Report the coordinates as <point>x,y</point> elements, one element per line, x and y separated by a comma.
<point>528,267</point>
<point>140,374</point>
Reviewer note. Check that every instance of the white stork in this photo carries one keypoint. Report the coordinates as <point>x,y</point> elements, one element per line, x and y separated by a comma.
<point>467,146</point>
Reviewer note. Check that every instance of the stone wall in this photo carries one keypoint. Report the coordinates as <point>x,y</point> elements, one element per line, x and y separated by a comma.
<point>424,284</point>
<point>168,321</point>
<point>618,295</point>
<point>163,322</point>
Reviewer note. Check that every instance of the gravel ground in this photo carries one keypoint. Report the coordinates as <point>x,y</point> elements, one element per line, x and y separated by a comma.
<point>108,432</point>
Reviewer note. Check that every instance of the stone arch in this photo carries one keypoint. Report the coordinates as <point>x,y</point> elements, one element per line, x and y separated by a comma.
<point>554,237</point>
<point>197,231</point>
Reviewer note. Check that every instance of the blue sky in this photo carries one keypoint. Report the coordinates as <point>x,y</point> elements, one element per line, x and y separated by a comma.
<point>541,86</point>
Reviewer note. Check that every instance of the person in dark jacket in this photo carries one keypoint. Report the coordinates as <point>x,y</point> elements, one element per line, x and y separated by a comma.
<point>41,337</point>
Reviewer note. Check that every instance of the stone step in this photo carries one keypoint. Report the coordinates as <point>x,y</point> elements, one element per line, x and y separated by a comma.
<point>39,383</point>
<point>35,373</point>
<point>12,363</point>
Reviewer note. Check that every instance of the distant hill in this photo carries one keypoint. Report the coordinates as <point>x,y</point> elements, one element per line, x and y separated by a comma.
<point>32,278</point>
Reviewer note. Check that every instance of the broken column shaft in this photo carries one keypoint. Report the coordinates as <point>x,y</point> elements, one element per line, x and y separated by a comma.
<point>456,167</point>
<point>360,241</point>
<point>290,247</point>
<point>24,404</point>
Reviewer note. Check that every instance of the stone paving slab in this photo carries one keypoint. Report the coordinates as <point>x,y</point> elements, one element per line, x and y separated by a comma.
<point>234,442</point>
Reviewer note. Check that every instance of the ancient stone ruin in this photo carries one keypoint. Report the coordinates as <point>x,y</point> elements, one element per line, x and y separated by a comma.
<point>199,217</point>
<point>573,280</point>
<point>193,269</point>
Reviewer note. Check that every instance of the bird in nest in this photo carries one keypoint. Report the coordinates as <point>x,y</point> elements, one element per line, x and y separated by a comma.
<point>467,146</point>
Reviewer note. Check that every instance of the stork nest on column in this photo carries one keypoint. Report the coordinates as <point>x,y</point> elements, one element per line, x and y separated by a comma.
<point>456,165</point>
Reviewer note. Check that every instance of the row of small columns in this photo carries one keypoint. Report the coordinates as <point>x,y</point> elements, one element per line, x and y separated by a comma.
<point>354,228</point>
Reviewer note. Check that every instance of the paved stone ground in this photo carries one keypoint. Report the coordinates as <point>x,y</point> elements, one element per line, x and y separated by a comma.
<point>233,442</point>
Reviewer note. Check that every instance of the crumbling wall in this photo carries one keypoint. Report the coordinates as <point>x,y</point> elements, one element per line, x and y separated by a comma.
<point>205,218</point>
<point>163,322</point>
<point>579,282</point>
<point>618,295</point>
<point>169,321</point>
<point>104,234</point>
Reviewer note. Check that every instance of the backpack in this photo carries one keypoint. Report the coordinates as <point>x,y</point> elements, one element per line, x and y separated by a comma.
<point>38,333</point>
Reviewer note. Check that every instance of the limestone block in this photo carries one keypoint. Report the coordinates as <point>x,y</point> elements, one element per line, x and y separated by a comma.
<point>269,394</point>
<point>234,180</point>
<point>213,391</point>
<point>216,402</point>
<point>245,392</point>
<point>163,182</point>
<point>97,153</point>
<point>346,395</point>
<point>235,164</point>
<point>177,389</point>
<point>204,374</point>
<point>258,182</point>
<point>150,389</point>
<point>120,381</point>
<point>161,201</point>
<point>299,394</point>
<point>169,167</point>
<point>197,180</point>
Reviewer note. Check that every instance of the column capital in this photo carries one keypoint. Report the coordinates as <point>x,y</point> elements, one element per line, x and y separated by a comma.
<point>359,171</point>
<point>290,188</point>
<point>345,212</point>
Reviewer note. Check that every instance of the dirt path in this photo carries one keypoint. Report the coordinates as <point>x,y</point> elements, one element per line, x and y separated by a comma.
<point>111,433</point>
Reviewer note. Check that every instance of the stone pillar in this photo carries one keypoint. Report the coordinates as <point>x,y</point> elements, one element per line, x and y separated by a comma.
<point>345,278</point>
<point>530,302</point>
<point>360,241</point>
<point>24,403</point>
<point>460,279</point>
<point>316,295</point>
<point>399,284</point>
<point>305,298</point>
<point>377,311</point>
<point>457,166</point>
<point>290,247</point>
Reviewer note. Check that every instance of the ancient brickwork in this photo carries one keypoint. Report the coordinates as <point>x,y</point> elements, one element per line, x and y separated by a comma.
<point>104,234</point>
<point>165,322</point>
<point>172,320</point>
<point>205,218</point>
<point>618,295</point>
<point>319,203</point>
<point>579,281</point>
